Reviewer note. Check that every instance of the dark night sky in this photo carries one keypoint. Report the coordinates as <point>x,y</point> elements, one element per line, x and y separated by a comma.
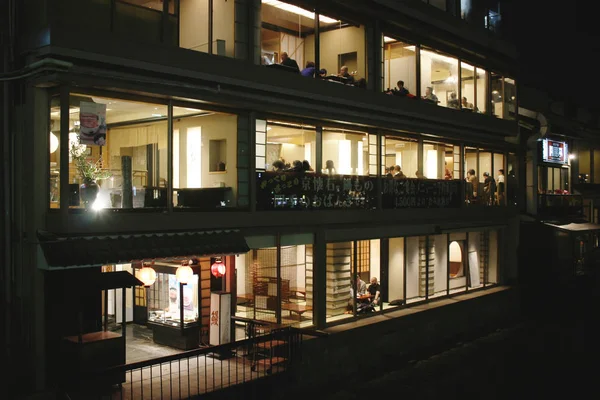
<point>559,47</point>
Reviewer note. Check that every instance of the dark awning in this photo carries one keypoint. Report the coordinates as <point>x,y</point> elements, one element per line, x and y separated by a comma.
<point>70,251</point>
<point>113,280</point>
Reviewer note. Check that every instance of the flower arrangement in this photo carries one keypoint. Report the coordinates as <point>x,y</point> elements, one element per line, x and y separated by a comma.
<point>89,171</point>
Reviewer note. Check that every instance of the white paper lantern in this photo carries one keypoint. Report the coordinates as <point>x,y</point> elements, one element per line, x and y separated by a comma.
<point>184,274</point>
<point>147,275</point>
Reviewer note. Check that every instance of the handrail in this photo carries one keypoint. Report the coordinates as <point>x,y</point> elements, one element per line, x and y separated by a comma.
<point>311,332</point>
<point>194,352</point>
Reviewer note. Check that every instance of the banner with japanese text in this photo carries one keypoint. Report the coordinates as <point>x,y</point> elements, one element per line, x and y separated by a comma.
<point>292,190</point>
<point>421,193</point>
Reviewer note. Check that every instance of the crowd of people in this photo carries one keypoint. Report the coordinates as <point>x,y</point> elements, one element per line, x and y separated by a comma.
<point>430,97</point>
<point>494,190</point>
<point>281,165</point>
<point>310,71</point>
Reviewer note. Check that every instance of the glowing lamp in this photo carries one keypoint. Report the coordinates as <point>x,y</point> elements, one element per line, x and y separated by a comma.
<point>53,142</point>
<point>184,274</point>
<point>218,269</point>
<point>147,275</point>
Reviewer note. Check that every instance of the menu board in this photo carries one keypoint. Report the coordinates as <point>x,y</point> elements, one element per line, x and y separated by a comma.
<point>298,190</point>
<point>554,151</point>
<point>421,193</point>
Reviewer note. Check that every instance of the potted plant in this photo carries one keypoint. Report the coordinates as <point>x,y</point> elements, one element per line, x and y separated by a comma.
<point>90,172</point>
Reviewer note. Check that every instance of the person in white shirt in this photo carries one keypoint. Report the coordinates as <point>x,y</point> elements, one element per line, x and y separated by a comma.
<point>501,187</point>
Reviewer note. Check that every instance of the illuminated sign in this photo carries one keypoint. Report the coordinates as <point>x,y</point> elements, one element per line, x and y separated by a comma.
<point>554,151</point>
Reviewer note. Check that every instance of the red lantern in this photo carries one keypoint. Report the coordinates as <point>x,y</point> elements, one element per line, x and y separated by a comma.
<point>218,268</point>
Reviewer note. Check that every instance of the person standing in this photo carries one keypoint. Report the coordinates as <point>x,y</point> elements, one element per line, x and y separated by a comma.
<point>288,62</point>
<point>501,187</point>
<point>489,188</point>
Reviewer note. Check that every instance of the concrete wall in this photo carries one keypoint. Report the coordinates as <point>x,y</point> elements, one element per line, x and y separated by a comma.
<point>368,348</point>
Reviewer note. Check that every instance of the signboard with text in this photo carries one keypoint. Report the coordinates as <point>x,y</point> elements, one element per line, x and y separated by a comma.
<point>421,193</point>
<point>301,191</point>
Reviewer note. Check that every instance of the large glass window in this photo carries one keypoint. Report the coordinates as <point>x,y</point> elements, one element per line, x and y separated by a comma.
<point>339,284</point>
<point>289,147</point>
<point>477,259</point>
<point>467,86</point>
<point>465,10</point>
<point>417,281</point>
<point>395,279</point>
<point>457,262</point>
<point>439,79</point>
<point>438,261</point>
<point>504,100</point>
<point>257,295</point>
<point>400,66</point>
<point>345,152</point>
<point>400,153</point>
<point>512,186</point>
<point>117,153</point>
<point>482,93</point>
<point>54,149</point>
<point>287,29</point>
<point>343,50</point>
<point>471,168</point>
<point>204,159</point>
<point>439,161</point>
<point>195,22</point>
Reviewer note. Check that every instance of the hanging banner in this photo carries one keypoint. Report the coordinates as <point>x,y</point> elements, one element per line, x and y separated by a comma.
<point>92,128</point>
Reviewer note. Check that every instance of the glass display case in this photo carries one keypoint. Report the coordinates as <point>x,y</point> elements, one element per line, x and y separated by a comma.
<point>173,312</point>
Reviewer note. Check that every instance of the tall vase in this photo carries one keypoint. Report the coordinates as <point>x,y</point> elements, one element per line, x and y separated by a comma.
<point>88,191</point>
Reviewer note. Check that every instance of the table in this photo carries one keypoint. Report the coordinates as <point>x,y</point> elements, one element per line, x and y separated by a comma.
<point>298,309</point>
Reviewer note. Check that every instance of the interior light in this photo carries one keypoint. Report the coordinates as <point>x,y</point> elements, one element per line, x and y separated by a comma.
<point>147,275</point>
<point>298,11</point>
<point>571,156</point>
<point>184,274</point>
<point>53,143</point>
<point>387,39</point>
<point>157,115</point>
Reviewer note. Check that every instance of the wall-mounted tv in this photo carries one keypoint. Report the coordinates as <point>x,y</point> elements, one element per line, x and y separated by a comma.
<point>555,151</point>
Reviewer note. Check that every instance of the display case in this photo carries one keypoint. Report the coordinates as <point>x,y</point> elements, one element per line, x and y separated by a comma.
<point>173,312</point>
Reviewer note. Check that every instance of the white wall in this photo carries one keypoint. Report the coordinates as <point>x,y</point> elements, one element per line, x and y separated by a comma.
<point>240,266</point>
<point>426,74</point>
<point>481,94</point>
<point>214,127</point>
<point>412,267</point>
<point>441,262</point>
<point>375,256</point>
<point>396,269</point>
<point>223,25</point>
<point>341,41</point>
<point>193,26</point>
<point>402,69</point>
<point>301,269</point>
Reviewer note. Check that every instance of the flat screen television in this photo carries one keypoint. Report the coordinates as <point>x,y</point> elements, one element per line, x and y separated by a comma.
<point>555,152</point>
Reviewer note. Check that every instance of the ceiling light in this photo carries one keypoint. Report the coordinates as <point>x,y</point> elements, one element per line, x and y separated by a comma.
<point>298,11</point>
<point>157,115</point>
<point>387,39</point>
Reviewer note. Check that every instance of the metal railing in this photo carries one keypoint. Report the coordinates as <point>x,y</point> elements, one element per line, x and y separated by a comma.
<point>267,352</point>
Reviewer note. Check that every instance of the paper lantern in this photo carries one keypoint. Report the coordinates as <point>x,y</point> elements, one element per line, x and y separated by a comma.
<point>184,274</point>
<point>147,275</point>
<point>53,142</point>
<point>218,269</point>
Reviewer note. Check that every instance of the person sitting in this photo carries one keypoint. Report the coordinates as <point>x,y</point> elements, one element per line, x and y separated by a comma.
<point>398,174</point>
<point>429,96</point>
<point>401,90</point>
<point>288,62</point>
<point>309,70</point>
<point>345,74</point>
<point>374,290</point>
<point>329,168</point>
<point>306,166</point>
<point>296,166</point>
<point>453,102</point>
<point>447,172</point>
<point>278,166</point>
<point>466,105</point>
<point>361,286</point>
<point>419,175</point>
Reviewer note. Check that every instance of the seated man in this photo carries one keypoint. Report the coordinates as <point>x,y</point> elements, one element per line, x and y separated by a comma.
<point>375,291</point>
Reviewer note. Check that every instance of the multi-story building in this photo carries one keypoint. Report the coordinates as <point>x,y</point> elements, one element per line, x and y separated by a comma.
<point>143,133</point>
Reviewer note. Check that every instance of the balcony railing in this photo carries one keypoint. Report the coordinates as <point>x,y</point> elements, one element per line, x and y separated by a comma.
<point>560,205</point>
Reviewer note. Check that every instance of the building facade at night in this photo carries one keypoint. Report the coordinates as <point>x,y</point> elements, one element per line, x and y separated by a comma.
<point>292,153</point>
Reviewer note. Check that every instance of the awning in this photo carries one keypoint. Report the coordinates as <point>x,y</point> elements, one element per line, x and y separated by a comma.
<point>576,227</point>
<point>71,251</point>
<point>113,280</point>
